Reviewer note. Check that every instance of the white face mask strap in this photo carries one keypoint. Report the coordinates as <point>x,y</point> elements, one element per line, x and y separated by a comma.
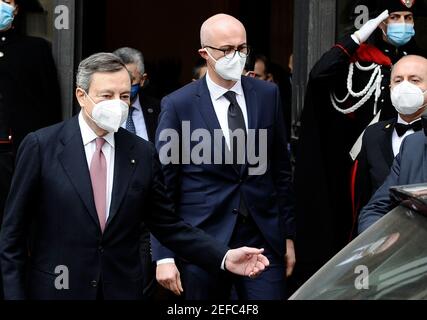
<point>382,30</point>
<point>207,51</point>
<point>87,95</point>
<point>85,111</point>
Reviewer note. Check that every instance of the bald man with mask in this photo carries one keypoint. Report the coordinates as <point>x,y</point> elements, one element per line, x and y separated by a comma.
<point>408,95</point>
<point>226,200</point>
<point>381,141</point>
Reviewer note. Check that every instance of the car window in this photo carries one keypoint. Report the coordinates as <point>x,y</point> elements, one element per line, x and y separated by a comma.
<point>388,261</point>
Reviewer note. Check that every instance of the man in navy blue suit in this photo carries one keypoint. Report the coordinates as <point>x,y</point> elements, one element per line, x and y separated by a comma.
<point>408,89</point>
<point>79,194</point>
<point>236,201</point>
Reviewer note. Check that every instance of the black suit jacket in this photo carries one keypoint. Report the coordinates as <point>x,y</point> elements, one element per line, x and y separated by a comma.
<point>374,160</point>
<point>51,189</point>
<point>409,167</point>
<point>151,110</point>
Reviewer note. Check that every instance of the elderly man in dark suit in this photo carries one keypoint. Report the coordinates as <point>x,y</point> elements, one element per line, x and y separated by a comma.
<point>83,187</point>
<point>408,94</point>
<point>381,141</point>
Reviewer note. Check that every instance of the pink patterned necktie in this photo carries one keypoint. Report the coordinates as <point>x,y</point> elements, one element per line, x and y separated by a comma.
<point>98,176</point>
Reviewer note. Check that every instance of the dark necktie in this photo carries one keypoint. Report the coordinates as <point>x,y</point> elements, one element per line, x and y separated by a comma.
<point>130,125</point>
<point>235,121</point>
<point>402,128</point>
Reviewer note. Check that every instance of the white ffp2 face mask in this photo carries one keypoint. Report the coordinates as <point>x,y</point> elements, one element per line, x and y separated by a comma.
<point>229,69</point>
<point>109,114</point>
<point>407,98</point>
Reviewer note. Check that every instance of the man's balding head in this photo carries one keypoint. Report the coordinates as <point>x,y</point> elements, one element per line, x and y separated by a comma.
<point>412,69</point>
<point>408,68</point>
<point>221,37</point>
<point>219,29</point>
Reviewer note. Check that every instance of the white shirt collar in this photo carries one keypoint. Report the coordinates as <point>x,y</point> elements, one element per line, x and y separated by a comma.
<point>88,135</point>
<point>400,120</point>
<point>217,91</point>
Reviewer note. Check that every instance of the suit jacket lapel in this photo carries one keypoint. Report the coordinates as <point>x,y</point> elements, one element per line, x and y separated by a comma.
<point>387,144</point>
<point>73,160</point>
<point>149,117</point>
<point>203,103</point>
<point>124,167</point>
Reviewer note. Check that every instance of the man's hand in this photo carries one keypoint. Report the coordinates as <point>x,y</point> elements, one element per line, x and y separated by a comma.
<point>246,261</point>
<point>290,257</point>
<point>169,277</point>
<point>369,27</point>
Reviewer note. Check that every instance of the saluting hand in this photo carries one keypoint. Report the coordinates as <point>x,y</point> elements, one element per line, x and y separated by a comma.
<point>369,27</point>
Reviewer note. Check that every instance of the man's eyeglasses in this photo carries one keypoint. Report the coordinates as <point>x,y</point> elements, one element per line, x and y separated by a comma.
<point>230,52</point>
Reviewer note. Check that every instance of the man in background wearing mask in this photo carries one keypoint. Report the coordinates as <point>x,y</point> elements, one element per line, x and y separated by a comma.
<point>144,110</point>
<point>225,200</point>
<point>86,184</point>
<point>381,141</point>
<point>348,89</point>
<point>142,120</point>
<point>408,86</point>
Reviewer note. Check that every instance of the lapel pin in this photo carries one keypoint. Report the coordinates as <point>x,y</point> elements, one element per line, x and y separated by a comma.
<point>133,161</point>
<point>388,126</point>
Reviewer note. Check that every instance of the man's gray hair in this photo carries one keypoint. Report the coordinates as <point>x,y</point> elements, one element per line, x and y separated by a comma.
<point>130,56</point>
<point>99,62</point>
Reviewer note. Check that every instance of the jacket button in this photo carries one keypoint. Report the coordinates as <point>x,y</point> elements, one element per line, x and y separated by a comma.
<point>235,211</point>
<point>101,249</point>
<point>94,283</point>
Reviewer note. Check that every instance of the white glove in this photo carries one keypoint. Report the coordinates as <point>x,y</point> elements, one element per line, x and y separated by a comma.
<point>369,27</point>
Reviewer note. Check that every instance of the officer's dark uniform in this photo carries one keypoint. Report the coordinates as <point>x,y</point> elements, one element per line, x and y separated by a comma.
<point>29,96</point>
<point>323,164</point>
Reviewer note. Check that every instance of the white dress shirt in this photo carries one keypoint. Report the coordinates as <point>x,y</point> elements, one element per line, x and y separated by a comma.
<point>108,149</point>
<point>138,120</point>
<point>396,140</point>
<point>221,104</point>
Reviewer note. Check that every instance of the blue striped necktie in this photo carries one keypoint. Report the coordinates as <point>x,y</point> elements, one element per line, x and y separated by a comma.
<point>130,125</point>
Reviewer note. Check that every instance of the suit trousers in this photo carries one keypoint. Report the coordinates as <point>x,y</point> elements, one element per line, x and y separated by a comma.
<point>270,285</point>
